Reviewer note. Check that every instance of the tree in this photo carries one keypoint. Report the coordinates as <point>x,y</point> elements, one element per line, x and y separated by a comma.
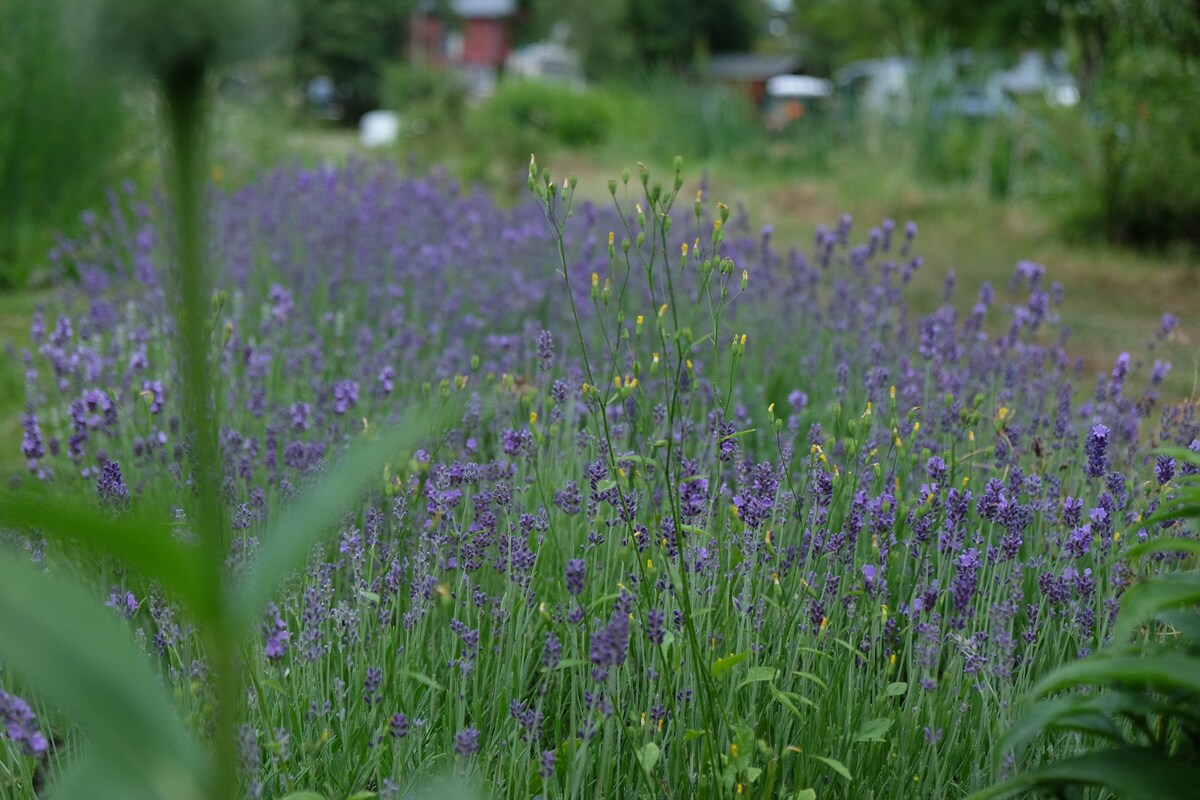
<point>615,37</point>
<point>350,41</point>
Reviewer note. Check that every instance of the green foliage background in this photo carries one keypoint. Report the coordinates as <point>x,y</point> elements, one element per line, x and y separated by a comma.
<point>63,130</point>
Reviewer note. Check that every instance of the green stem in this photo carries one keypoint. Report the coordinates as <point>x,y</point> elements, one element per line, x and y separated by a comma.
<point>184,110</point>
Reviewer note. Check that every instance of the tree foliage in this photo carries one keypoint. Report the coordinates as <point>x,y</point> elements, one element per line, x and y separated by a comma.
<point>617,37</point>
<point>350,41</point>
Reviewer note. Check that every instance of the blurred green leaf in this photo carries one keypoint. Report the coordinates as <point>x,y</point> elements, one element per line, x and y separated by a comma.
<point>299,527</point>
<point>1187,507</point>
<point>805,794</point>
<point>1183,624</point>
<point>1132,772</point>
<point>1143,600</point>
<point>1165,671</point>
<point>1168,545</point>
<point>78,656</point>
<point>96,778</point>
<point>897,689</point>
<point>303,796</point>
<point>144,542</point>
<point>1068,712</point>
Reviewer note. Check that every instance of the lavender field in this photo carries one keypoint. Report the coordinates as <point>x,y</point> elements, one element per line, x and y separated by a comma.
<point>682,514</point>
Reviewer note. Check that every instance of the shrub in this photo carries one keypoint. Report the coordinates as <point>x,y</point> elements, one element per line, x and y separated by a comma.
<point>435,98</point>
<point>548,113</point>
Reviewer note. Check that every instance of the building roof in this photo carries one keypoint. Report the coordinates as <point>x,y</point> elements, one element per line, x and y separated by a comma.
<point>483,9</point>
<point>749,66</point>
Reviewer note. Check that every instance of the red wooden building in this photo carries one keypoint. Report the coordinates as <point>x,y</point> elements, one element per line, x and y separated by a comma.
<point>474,37</point>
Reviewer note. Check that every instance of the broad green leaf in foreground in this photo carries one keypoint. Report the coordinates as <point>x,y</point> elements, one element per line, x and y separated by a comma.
<point>1167,671</point>
<point>300,526</point>
<point>1132,772</point>
<point>1071,711</point>
<point>78,656</point>
<point>1143,600</point>
<point>1173,544</point>
<point>143,541</point>
<point>94,777</point>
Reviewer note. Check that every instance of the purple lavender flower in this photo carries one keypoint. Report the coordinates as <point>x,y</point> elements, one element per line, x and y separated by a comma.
<point>569,500</point>
<point>111,487</point>
<point>20,724</point>
<point>1169,323</point>
<point>988,506</point>
<point>1188,467</point>
<point>1164,469</point>
<point>1079,541</point>
<point>1159,371</point>
<point>398,726</point>
<point>345,396</point>
<point>371,684</point>
<point>545,351</point>
<point>1072,511</point>
<point>516,443</point>
<point>153,391</point>
<point>546,764</point>
<point>935,468</point>
<point>300,413</point>
<point>610,644</point>
<point>964,584</point>
<point>277,645</point>
<point>1094,447</point>
<point>123,603</point>
<point>466,741</point>
<point>655,626</point>
<point>551,651</point>
<point>31,443</point>
<point>576,574</point>
<point>386,380</point>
